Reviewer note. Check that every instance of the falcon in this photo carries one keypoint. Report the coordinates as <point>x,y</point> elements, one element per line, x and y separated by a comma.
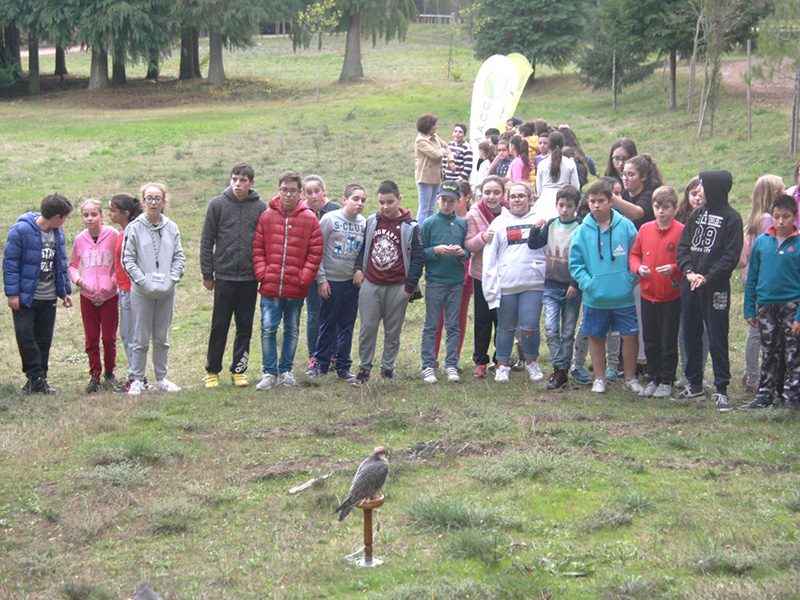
<point>367,483</point>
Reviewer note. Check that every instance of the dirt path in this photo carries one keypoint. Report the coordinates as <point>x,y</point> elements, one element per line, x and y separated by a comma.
<point>778,92</point>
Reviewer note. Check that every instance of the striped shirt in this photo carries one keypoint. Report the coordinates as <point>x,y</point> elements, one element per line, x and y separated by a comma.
<point>463,162</point>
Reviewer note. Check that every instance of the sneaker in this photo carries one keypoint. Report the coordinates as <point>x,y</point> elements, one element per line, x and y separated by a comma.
<point>599,386</point>
<point>110,377</point>
<point>722,402</point>
<point>634,386</point>
<point>756,404</point>
<point>387,374</point>
<point>459,368</point>
<point>649,390</point>
<point>480,372</point>
<point>501,373</point>
<point>688,394</point>
<point>362,378</point>
<point>165,386</point>
<point>557,379</point>
<point>39,385</point>
<point>268,380</point>
<point>519,365</point>
<point>611,375</point>
<point>346,375</point>
<point>136,388</point>
<point>580,375</point>
<point>316,373</point>
<point>286,379</point>
<point>146,383</point>
<point>664,390</point>
<point>452,374</point>
<point>429,375</point>
<point>311,364</point>
<point>534,372</point>
<point>94,386</point>
<point>211,380</point>
<point>122,388</point>
<point>27,389</point>
<point>239,380</point>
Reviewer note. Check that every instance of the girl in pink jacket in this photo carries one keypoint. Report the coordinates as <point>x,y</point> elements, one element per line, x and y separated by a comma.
<point>92,269</point>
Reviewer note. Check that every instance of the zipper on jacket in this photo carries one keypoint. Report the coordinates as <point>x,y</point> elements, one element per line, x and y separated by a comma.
<point>283,259</point>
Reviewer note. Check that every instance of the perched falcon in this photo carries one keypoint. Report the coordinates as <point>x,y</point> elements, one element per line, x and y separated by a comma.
<point>367,483</point>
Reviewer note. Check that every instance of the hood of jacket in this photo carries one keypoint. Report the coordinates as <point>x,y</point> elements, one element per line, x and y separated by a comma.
<point>253,196</point>
<point>143,219</point>
<point>716,186</point>
<point>276,204</point>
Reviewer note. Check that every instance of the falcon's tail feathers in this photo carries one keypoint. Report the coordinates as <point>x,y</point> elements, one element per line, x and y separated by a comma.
<point>345,508</point>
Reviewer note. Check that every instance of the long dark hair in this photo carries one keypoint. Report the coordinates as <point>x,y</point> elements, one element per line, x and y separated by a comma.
<point>556,144</point>
<point>126,203</point>
<point>647,167</point>
<point>626,144</point>
<point>521,147</point>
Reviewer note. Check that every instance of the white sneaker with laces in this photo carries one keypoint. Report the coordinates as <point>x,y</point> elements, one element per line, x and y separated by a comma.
<point>452,375</point>
<point>136,388</point>
<point>634,386</point>
<point>429,375</point>
<point>534,371</point>
<point>649,389</point>
<point>286,379</point>
<point>268,380</point>
<point>501,373</point>
<point>664,390</point>
<point>165,386</point>
<point>599,386</point>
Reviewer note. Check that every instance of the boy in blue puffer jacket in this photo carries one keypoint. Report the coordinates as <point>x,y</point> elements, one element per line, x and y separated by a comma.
<point>598,262</point>
<point>34,275</point>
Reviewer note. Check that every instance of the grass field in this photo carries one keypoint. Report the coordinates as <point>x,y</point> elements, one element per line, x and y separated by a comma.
<point>494,493</point>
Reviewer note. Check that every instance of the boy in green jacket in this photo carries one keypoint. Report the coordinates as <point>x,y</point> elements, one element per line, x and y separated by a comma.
<point>443,237</point>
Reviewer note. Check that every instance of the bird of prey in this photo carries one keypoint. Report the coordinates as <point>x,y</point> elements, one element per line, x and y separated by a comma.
<point>367,483</point>
<point>144,591</point>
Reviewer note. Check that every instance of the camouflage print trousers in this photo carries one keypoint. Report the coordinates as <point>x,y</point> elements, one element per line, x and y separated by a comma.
<point>780,352</point>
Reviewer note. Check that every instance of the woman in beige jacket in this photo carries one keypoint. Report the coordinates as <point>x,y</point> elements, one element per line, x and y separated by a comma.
<point>429,150</point>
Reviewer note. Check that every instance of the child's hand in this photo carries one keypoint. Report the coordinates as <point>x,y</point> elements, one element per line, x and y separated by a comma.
<point>753,322</point>
<point>795,329</point>
<point>488,236</point>
<point>13,303</point>
<point>571,292</point>
<point>358,278</point>
<point>665,270</point>
<point>643,272</point>
<point>458,251</point>
<point>208,284</point>
<point>442,249</point>
<point>695,281</point>
<point>67,301</point>
<point>540,223</point>
<point>324,290</point>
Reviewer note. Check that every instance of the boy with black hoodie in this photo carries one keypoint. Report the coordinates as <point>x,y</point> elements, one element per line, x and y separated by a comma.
<point>226,262</point>
<point>708,252</point>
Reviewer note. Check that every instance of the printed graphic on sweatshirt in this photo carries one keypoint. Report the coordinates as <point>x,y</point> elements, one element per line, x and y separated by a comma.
<point>97,258</point>
<point>48,256</point>
<point>347,239</point>
<point>558,239</point>
<point>518,234</point>
<point>385,250</point>
<point>619,251</point>
<point>705,233</point>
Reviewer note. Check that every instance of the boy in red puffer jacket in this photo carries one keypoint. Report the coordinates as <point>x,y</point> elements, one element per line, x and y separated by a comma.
<point>287,250</point>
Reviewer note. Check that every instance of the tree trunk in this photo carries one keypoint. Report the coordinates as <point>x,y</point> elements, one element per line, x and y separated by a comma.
<point>614,79</point>
<point>533,70</point>
<point>793,141</point>
<point>13,42</point>
<point>216,68</point>
<point>749,89</point>
<point>98,77</point>
<point>153,68</point>
<point>196,53</point>
<point>61,62</point>
<point>118,75</point>
<point>187,68</point>
<point>694,64</point>
<point>673,81</point>
<point>34,88</point>
<point>351,68</point>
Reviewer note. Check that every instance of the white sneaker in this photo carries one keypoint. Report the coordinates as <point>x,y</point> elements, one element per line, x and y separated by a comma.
<point>664,390</point>
<point>599,386</point>
<point>429,375</point>
<point>634,386</point>
<point>287,379</point>
<point>137,387</point>
<point>452,375</point>
<point>650,389</point>
<point>534,371</point>
<point>268,380</point>
<point>165,386</point>
<point>501,373</point>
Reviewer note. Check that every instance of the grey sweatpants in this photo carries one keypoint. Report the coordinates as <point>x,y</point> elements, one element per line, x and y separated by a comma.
<point>150,318</point>
<point>126,327</point>
<point>376,303</point>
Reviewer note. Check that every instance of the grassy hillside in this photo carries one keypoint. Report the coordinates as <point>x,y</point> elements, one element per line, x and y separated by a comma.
<point>494,493</point>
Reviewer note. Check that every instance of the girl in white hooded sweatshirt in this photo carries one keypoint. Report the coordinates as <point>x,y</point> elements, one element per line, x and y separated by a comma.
<point>153,258</point>
<point>513,282</point>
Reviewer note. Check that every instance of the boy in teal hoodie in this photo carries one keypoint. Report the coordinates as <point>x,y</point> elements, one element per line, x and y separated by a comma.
<point>771,300</point>
<point>443,237</point>
<point>598,262</point>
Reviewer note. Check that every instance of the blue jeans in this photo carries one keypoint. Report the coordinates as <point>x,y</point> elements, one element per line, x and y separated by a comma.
<point>523,310</point>
<point>313,303</point>
<point>272,310</point>
<point>438,296</point>
<point>560,320</point>
<point>427,200</point>
<point>337,318</point>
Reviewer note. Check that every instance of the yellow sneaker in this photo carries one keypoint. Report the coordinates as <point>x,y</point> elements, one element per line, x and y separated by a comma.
<point>211,380</point>
<point>238,380</point>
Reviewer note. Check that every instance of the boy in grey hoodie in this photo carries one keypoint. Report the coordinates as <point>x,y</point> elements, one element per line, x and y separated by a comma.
<point>226,262</point>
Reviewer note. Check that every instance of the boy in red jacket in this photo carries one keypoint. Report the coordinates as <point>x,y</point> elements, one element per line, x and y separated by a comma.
<point>653,260</point>
<point>287,250</point>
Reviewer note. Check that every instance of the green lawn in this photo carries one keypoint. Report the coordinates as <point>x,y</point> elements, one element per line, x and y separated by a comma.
<point>494,493</point>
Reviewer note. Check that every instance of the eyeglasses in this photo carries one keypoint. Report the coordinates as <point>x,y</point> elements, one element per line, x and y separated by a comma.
<point>153,199</point>
<point>518,197</point>
<point>618,159</point>
<point>289,191</point>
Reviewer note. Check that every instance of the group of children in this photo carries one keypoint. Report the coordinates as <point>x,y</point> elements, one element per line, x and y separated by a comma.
<point>637,271</point>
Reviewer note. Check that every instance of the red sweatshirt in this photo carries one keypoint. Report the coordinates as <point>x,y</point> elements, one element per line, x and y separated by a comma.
<point>653,248</point>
